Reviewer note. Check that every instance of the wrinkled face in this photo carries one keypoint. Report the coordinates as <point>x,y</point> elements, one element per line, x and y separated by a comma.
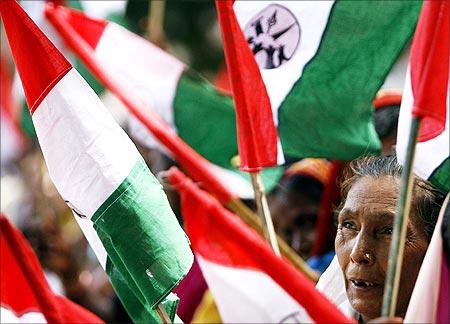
<point>363,241</point>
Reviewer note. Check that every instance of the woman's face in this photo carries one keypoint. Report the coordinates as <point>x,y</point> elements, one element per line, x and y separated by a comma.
<point>363,241</point>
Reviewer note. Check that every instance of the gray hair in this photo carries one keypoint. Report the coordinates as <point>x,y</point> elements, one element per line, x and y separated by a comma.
<point>428,200</point>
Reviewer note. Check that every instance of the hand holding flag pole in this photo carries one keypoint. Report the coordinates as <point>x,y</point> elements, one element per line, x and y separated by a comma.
<point>257,134</point>
<point>429,78</point>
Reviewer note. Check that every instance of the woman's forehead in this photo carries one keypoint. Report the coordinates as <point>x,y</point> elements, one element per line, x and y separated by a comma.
<point>373,193</point>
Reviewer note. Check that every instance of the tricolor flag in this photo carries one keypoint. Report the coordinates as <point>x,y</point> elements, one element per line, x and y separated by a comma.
<point>249,282</point>
<point>97,170</point>
<point>114,10</point>
<point>426,95</point>
<point>25,295</point>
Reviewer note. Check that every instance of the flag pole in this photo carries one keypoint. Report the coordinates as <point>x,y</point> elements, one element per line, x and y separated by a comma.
<point>161,311</point>
<point>248,216</point>
<point>155,21</point>
<point>391,285</point>
<point>264,211</point>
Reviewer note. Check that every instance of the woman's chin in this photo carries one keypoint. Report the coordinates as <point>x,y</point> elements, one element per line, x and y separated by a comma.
<point>368,309</point>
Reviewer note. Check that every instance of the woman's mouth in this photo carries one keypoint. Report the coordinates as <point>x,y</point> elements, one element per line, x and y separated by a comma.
<point>358,283</point>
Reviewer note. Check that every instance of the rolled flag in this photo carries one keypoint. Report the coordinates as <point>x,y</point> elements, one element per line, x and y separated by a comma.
<point>430,299</point>
<point>97,170</point>
<point>426,95</point>
<point>257,135</point>
<point>25,295</point>
<point>249,282</point>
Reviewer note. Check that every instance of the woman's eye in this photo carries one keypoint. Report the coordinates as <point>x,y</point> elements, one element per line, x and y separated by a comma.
<point>348,225</point>
<point>387,230</point>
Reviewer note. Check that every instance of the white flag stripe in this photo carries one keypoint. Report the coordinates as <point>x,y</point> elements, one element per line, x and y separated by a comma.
<point>87,227</point>
<point>236,183</point>
<point>332,285</point>
<point>88,155</point>
<point>429,154</point>
<point>312,18</point>
<point>261,300</point>
<point>104,8</point>
<point>153,75</point>
<point>145,69</point>
<point>7,316</point>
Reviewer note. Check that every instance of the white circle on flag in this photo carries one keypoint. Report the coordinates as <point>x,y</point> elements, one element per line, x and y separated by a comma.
<point>273,36</point>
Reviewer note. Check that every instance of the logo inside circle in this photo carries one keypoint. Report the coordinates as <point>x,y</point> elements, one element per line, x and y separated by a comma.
<point>273,35</point>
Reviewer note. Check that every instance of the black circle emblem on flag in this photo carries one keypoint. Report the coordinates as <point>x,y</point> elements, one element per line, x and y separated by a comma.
<point>273,35</point>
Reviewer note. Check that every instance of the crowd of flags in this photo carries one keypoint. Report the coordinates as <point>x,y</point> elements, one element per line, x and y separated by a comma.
<point>315,103</point>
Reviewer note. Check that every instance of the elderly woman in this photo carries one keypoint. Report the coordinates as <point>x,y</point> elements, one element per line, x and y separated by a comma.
<point>365,221</point>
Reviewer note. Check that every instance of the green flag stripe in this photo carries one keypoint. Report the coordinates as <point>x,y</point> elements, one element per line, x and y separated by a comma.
<point>203,115</point>
<point>328,112</point>
<point>138,311</point>
<point>441,176</point>
<point>26,123</point>
<point>117,271</point>
<point>206,120</point>
<point>138,228</point>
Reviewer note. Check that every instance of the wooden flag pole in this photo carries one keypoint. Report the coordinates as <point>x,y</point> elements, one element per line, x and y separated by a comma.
<point>400,224</point>
<point>264,211</point>
<point>161,311</point>
<point>248,216</point>
<point>155,22</point>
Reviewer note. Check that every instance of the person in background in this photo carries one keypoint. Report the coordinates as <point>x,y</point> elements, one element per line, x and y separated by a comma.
<point>295,204</point>
<point>387,108</point>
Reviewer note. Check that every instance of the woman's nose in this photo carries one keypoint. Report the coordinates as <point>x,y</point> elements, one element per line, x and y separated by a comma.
<point>363,250</point>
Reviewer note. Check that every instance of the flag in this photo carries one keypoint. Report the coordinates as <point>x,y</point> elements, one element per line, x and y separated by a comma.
<point>249,282</point>
<point>114,10</point>
<point>257,135</point>
<point>430,298</point>
<point>118,203</point>
<point>322,66</point>
<point>426,95</point>
<point>312,67</point>
<point>25,295</point>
